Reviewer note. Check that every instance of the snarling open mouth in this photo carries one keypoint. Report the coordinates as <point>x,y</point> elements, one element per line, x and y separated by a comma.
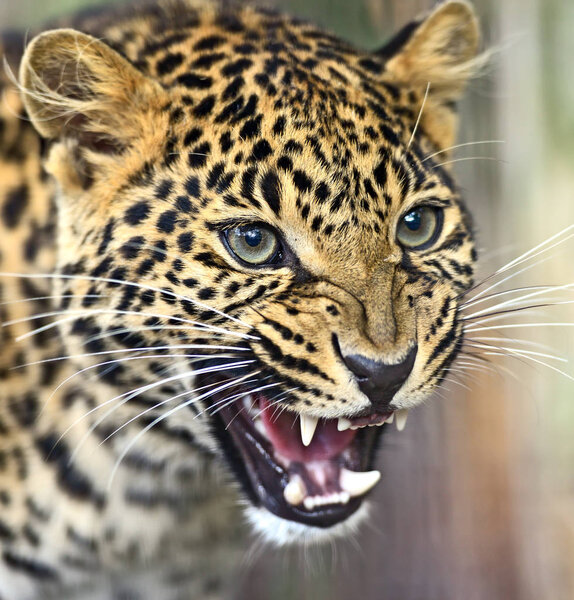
<point>303,469</point>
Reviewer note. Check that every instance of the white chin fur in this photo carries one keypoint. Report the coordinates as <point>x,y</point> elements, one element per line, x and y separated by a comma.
<point>280,532</point>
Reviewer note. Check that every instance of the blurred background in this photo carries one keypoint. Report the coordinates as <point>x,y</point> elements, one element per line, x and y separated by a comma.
<point>477,496</point>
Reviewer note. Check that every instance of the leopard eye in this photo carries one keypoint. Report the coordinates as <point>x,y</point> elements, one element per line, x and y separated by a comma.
<point>420,227</point>
<point>253,244</point>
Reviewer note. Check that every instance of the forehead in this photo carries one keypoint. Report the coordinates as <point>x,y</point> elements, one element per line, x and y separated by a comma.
<point>272,118</point>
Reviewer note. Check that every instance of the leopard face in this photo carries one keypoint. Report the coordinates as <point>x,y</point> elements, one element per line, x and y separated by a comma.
<point>262,208</point>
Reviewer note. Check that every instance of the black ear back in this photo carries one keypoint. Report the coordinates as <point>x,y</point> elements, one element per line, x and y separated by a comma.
<point>435,56</point>
<point>398,41</point>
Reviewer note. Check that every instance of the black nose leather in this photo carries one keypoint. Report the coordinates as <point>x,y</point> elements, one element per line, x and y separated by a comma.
<point>379,381</point>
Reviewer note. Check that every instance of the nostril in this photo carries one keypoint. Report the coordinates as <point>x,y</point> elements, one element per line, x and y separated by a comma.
<point>377,380</point>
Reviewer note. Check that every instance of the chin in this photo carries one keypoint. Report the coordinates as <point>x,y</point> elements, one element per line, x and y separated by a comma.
<point>279,532</point>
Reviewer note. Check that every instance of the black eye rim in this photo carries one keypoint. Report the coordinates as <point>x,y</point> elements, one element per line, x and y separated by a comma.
<point>276,261</point>
<point>439,214</point>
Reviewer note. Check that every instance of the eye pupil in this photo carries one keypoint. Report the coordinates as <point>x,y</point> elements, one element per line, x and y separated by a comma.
<point>253,237</point>
<point>413,220</point>
<point>253,244</point>
<point>420,227</point>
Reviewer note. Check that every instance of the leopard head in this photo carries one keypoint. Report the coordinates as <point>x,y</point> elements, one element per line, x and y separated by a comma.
<point>260,210</point>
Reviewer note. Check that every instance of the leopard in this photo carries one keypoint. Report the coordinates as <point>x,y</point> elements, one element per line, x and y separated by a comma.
<point>231,256</point>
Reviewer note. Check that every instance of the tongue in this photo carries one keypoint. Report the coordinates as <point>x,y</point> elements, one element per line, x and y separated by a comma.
<point>284,431</point>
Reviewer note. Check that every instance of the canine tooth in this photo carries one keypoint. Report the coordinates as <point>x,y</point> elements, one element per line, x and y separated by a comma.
<point>357,484</point>
<point>402,418</point>
<point>343,424</point>
<point>248,404</point>
<point>259,426</point>
<point>294,492</point>
<point>308,426</point>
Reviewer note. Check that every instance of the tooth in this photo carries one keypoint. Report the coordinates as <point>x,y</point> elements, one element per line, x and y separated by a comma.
<point>309,503</point>
<point>260,427</point>
<point>308,426</point>
<point>294,492</point>
<point>357,484</point>
<point>344,497</point>
<point>402,418</point>
<point>343,424</point>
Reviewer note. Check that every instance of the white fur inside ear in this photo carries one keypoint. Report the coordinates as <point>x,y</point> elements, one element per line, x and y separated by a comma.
<point>279,532</point>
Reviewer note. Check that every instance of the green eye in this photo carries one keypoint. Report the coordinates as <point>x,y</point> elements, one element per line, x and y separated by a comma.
<point>420,227</point>
<point>253,244</point>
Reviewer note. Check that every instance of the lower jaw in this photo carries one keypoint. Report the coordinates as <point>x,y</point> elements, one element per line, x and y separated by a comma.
<point>275,482</point>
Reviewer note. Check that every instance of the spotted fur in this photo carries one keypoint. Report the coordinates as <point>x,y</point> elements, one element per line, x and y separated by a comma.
<point>133,139</point>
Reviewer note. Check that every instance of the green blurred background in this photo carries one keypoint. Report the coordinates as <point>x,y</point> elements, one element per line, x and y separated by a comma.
<point>477,497</point>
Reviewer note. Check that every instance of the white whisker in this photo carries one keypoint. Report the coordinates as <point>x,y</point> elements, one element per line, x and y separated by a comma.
<point>456,160</point>
<point>229,382</point>
<point>272,404</point>
<point>539,249</point>
<point>493,367</point>
<point>122,330</point>
<point>531,358</point>
<point>150,426</point>
<point>479,367</point>
<point>457,382</point>
<point>76,314</point>
<point>523,352</point>
<point>461,146</point>
<point>533,251</point>
<point>126,283</point>
<point>419,116</point>
<point>126,350</point>
<point>40,298</point>
<point>128,396</point>
<point>528,311</point>
<point>514,301</point>
<point>222,405</point>
<point>502,281</point>
<point>506,340</point>
<point>469,303</point>
<point>137,392</point>
<point>516,325</point>
<point>111,400</point>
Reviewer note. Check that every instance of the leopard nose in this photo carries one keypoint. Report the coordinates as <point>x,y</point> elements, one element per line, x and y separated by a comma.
<point>380,381</point>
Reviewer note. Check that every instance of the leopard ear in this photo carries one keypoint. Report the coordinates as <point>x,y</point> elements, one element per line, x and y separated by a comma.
<point>75,86</point>
<point>438,51</point>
